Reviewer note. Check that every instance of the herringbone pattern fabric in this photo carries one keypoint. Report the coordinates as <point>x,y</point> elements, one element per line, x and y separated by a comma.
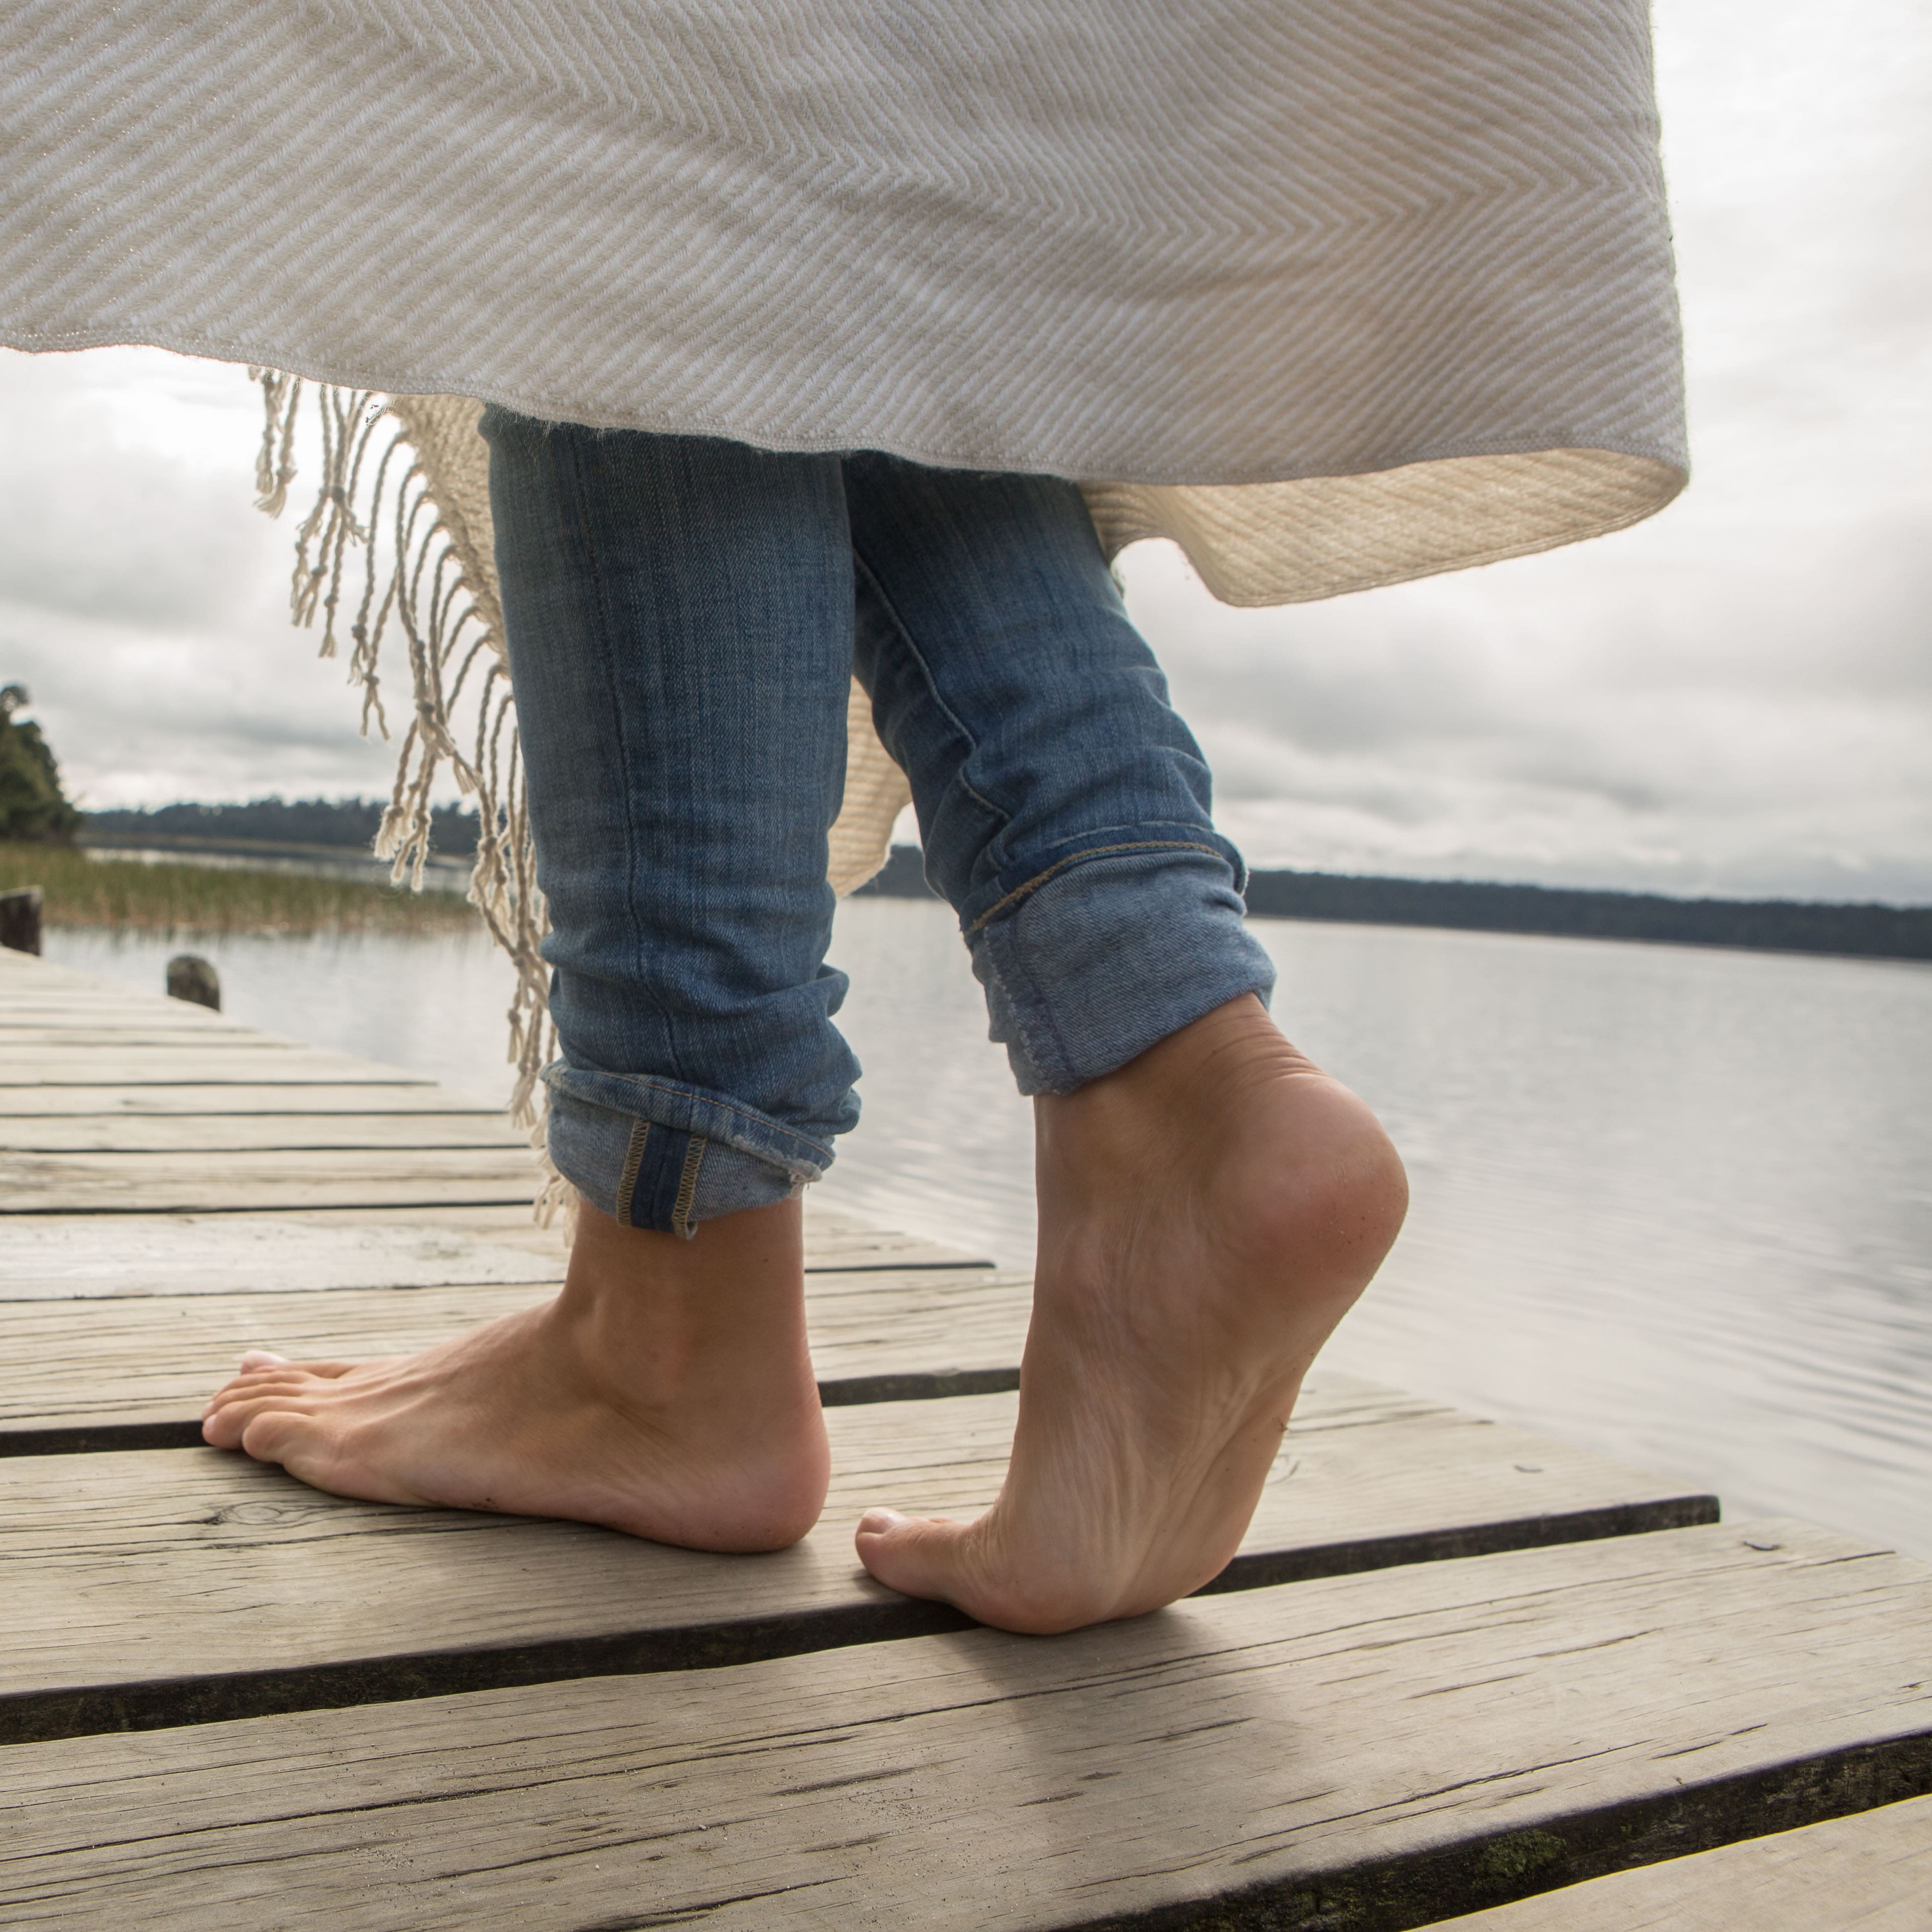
<point>1334,292</point>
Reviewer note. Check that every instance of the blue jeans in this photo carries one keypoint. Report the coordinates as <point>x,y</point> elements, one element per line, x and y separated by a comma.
<point>684,618</point>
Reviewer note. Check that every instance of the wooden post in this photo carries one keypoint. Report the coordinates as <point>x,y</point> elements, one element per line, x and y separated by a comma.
<point>20,918</point>
<point>191,977</point>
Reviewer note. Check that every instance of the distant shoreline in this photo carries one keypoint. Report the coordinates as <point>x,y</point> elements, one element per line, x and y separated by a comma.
<point>315,829</point>
<point>452,874</point>
<point>1769,925</point>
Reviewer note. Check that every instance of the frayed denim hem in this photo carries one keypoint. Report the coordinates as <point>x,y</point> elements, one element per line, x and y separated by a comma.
<point>669,1158</point>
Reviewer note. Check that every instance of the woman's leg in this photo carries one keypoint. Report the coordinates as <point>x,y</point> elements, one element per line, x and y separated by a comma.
<point>680,614</point>
<point>1211,1204</point>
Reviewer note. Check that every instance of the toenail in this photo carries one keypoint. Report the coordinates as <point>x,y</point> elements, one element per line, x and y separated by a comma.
<point>876,1522</point>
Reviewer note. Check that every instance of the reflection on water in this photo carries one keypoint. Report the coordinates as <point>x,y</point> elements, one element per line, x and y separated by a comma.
<point>1675,1204</point>
<point>435,1002</point>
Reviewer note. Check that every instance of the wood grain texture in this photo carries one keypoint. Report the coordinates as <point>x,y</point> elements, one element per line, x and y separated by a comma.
<point>45,989</point>
<point>1374,1752</point>
<point>149,1361</point>
<point>162,1587</point>
<point>257,1180</point>
<point>198,1099</point>
<point>115,1104</point>
<point>55,1257</point>
<point>59,1257</point>
<point>1869,1872</point>
<point>252,1063</point>
<point>185,1135</point>
<point>104,1032</point>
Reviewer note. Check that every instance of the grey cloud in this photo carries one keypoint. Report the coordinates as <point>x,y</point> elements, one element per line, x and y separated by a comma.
<point>92,527</point>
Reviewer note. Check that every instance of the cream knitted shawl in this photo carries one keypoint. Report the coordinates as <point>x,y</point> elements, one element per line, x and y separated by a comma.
<point>1332,292</point>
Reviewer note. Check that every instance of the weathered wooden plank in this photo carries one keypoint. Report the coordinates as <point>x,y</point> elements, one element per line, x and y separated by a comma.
<point>22,976</point>
<point>1871,1872</point>
<point>837,1239</point>
<point>82,1373</point>
<point>251,1064</point>
<point>1374,1751</point>
<point>192,1135</point>
<point>157,1588</point>
<point>109,1033</point>
<point>174,1019</point>
<point>510,1221</point>
<point>196,1098</point>
<point>58,1258</point>
<point>145,1183</point>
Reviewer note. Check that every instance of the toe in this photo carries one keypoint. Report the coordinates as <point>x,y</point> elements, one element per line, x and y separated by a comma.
<point>257,1385</point>
<point>918,1556</point>
<point>968,1566</point>
<point>315,1448</point>
<point>275,1435</point>
<point>263,1374</point>
<point>234,1411</point>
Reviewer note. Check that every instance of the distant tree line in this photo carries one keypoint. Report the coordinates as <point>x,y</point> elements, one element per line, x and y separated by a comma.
<point>32,805</point>
<point>1783,925</point>
<point>278,821</point>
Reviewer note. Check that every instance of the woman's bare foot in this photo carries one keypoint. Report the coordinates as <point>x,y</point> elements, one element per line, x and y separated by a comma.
<point>666,1392</point>
<point>1207,1214</point>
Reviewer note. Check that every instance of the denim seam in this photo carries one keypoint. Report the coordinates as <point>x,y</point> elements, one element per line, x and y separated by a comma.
<point>687,1188</point>
<point>606,637</point>
<point>633,1159</point>
<point>1024,1015</point>
<point>1033,884</point>
<point>953,717</point>
<point>763,1120</point>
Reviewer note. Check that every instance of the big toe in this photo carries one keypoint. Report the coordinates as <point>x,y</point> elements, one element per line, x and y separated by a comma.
<point>969,1566</point>
<point>274,1435</point>
<point>918,1556</point>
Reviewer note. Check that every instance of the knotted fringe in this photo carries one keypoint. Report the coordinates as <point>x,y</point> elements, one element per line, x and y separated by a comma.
<point>378,493</point>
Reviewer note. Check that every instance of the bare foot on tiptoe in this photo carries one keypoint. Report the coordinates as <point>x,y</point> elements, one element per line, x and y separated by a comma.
<point>1207,1214</point>
<point>666,1392</point>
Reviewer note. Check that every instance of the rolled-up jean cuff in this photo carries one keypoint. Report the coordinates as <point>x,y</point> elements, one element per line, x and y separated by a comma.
<point>1111,952</point>
<point>651,1153</point>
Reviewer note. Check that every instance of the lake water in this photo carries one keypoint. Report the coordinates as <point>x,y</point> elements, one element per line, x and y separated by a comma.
<point>1671,1203</point>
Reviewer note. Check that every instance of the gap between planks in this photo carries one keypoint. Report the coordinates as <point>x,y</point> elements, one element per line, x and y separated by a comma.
<point>157,1589</point>
<point>1377,1752</point>
<point>134,1371</point>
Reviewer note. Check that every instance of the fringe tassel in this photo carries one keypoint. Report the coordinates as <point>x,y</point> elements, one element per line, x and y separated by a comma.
<point>457,667</point>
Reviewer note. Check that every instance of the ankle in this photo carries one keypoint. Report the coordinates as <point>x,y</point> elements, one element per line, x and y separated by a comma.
<point>1229,1125</point>
<point>660,1321</point>
<point>1158,1104</point>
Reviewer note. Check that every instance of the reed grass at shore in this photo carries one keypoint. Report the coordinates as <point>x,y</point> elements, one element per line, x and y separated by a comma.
<point>130,895</point>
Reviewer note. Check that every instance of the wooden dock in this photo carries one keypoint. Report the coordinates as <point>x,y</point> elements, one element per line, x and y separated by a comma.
<point>1454,1665</point>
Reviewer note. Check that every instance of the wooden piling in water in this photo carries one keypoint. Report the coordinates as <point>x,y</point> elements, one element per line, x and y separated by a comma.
<point>20,918</point>
<point>192,978</point>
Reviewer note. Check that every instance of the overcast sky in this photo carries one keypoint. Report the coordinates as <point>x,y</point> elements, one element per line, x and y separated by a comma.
<point>1735,697</point>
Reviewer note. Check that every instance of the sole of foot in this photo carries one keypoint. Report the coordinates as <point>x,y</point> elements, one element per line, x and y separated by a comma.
<point>667,1392</point>
<point>1207,1214</point>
